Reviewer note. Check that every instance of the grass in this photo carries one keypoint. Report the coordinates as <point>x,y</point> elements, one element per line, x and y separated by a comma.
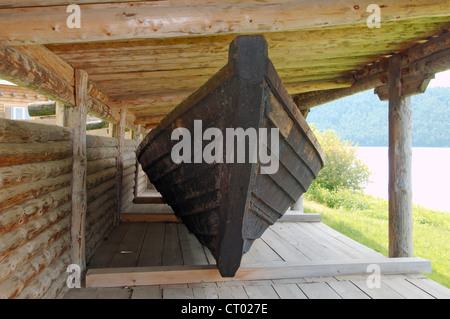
<point>365,219</point>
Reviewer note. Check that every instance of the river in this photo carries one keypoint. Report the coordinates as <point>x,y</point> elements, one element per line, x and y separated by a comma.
<point>430,175</point>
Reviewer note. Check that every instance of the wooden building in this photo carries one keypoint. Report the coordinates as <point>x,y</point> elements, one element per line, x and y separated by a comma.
<point>130,63</point>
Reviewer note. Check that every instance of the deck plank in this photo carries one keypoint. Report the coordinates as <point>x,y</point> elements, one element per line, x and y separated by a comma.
<point>172,255</point>
<point>347,290</point>
<point>431,287</point>
<point>299,249</point>
<point>383,292</point>
<point>191,249</point>
<point>265,291</point>
<point>152,246</point>
<point>128,252</point>
<point>319,290</point>
<point>147,292</point>
<point>289,291</point>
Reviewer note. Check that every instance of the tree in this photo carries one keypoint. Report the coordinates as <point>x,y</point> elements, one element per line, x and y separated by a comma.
<point>343,168</point>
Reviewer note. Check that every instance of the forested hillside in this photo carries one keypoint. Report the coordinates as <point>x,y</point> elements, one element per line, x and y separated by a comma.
<point>363,118</point>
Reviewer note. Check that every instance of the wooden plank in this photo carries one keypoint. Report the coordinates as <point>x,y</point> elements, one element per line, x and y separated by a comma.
<point>106,251</point>
<point>289,291</point>
<point>383,292</point>
<point>178,293</point>
<point>129,250</point>
<point>150,292</point>
<point>20,69</point>
<point>401,285</point>
<point>232,292</point>
<point>178,21</point>
<point>400,158</point>
<point>319,290</point>
<point>113,277</point>
<point>114,293</point>
<point>191,249</point>
<point>79,171</point>
<point>152,247</point>
<point>261,292</point>
<point>286,251</point>
<point>347,290</point>
<point>172,251</point>
<point>431,287</point>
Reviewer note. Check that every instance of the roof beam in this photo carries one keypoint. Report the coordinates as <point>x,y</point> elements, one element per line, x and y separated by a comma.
<point>52,80</point>
<point>41,25</point>
<point>420,63</point>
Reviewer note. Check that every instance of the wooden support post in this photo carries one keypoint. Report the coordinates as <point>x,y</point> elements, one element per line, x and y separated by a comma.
<point>400,155</point>
<point>79,171</point>
<point>120,135</point>
<point>137,137</point>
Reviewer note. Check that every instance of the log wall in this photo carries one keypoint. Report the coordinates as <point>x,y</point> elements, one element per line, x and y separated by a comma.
<point>35,203</point>
<point>35,208</point>
<point>101,189</point>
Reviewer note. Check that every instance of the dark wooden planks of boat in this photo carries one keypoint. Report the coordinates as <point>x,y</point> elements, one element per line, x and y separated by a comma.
<point>229,201</point>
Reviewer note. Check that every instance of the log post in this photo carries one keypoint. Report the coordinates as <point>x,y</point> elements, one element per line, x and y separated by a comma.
<point>79,171</point>
<point>137,137</point>
<point>400,156</point>
<point>119,133</point>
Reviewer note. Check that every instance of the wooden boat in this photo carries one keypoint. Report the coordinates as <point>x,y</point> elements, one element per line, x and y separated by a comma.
<point>229,205</point>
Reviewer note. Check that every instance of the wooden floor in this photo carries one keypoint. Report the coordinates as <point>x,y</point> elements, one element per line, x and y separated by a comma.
<point>291,260</point>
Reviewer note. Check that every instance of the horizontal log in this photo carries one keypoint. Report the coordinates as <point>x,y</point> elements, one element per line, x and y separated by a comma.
<point>100,189</point>
<point>420,60</point>
<point>20,153</point>
<point>101,164</point>
<point>31,209</point>
<point>12,131</point>
<point>13,176</point>
<point>12,240</point>
<point>94,154</point>
<point>127,22</point>
<point>18,68</point>
<point>33,248</point>
<point>93,141</point>
<point>54,269</point>
<point>100,177</point>
<point>13,196</point>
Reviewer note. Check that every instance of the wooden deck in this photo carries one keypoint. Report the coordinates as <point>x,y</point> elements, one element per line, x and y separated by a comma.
<point>291,260</point>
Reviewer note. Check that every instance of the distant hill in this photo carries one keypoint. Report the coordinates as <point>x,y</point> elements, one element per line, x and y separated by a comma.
<point>363,118</point>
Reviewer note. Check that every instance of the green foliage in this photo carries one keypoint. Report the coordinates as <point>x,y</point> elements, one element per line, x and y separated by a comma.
<point>343,169</point>
<point>363,118</point>
<point>364,218</point>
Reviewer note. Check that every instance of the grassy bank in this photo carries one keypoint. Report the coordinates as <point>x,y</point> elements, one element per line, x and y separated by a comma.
<point>365,219</point>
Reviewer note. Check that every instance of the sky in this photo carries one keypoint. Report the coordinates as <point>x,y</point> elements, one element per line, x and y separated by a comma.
<point>441,80</point>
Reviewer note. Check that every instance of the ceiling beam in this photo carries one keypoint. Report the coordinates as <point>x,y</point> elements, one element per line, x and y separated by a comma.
<point>41,25</point>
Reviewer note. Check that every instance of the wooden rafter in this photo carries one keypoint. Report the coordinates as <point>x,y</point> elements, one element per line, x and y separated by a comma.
<point>419,64</point>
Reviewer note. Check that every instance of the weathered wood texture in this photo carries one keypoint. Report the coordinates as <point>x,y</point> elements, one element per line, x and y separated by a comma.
<point>229,205</point>
<point>400,157</point>
<point>35,204</point>
<point>101,189</point>
<point>35,210</point>
<point>79,171</point>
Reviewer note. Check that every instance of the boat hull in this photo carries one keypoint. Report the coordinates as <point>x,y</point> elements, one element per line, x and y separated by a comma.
<point>229,203</point>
